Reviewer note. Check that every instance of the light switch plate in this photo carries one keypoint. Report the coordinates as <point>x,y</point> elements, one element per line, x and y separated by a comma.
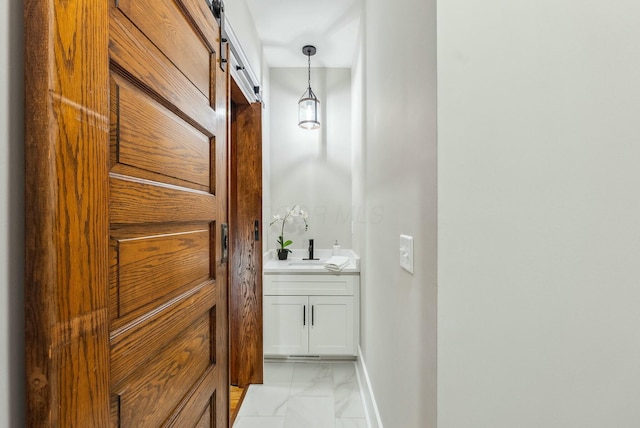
<point>406,253</point>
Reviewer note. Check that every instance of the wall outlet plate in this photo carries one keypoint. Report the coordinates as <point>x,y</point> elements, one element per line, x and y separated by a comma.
<point>406,253</point>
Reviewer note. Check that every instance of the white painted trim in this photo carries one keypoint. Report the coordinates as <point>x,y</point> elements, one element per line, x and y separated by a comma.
<point>366,392</point>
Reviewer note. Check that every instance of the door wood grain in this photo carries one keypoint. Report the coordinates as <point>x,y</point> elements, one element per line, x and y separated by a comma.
<point>246,256</point>
<point>127,188</point>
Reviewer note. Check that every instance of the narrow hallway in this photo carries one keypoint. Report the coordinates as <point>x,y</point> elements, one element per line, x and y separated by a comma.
<point>304,394</point>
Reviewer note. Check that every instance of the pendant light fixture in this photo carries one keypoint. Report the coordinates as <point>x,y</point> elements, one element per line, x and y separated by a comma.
<point>309,105</point>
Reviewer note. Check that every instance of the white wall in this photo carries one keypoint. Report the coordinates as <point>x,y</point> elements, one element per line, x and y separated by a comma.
<point>311,168</point>
<point>358,148</point>
<point>358,156</point>
<point>12,391</point>
<point>399,309</point>
<point>539,214</point>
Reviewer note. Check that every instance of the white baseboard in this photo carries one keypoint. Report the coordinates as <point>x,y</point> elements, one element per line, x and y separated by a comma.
<point>368,399</point>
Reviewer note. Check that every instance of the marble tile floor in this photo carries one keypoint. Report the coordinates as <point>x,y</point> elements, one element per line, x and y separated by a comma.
<point>304,394</point>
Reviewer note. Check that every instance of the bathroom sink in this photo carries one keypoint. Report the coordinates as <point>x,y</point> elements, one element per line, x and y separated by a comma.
<point>296,263</point>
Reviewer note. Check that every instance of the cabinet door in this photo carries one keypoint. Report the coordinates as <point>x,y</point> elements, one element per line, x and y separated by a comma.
<point>331,325</point>
<point>286,321</point>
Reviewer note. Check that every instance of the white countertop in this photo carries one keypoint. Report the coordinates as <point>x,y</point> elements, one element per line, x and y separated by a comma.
<point>295,263</point>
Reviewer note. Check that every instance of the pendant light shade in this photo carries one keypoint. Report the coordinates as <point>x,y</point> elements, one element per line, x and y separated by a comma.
<point>309,104</point>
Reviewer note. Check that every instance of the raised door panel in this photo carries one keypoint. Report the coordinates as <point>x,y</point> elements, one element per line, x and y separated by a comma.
<point>159,382</point>
<point>286,321</point>
<point>154,267</point>
<point>151,15</point>
<point>332,325</point>
<point>151,141</point>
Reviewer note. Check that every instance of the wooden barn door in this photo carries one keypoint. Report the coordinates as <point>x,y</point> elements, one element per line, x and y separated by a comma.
<point>245,276</point>
<point>126,292</point>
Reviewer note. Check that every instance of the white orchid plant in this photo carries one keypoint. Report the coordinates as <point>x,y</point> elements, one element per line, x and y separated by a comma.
<point>290,215</point>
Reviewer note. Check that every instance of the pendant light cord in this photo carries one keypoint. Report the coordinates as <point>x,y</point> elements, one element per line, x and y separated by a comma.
<point>309,69</point>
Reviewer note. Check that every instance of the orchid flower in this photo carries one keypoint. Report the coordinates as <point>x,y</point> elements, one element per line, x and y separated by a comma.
<point>290,213</point>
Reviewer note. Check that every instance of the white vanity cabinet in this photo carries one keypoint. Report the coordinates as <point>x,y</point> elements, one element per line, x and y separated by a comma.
<point>311,315</point>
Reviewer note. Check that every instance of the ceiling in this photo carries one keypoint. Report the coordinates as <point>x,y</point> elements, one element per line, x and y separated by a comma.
<point>285,26</point>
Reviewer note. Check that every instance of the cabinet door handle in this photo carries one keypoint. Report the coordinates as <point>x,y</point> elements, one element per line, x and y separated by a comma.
<point>312,314</point>
<point>304,315</point>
